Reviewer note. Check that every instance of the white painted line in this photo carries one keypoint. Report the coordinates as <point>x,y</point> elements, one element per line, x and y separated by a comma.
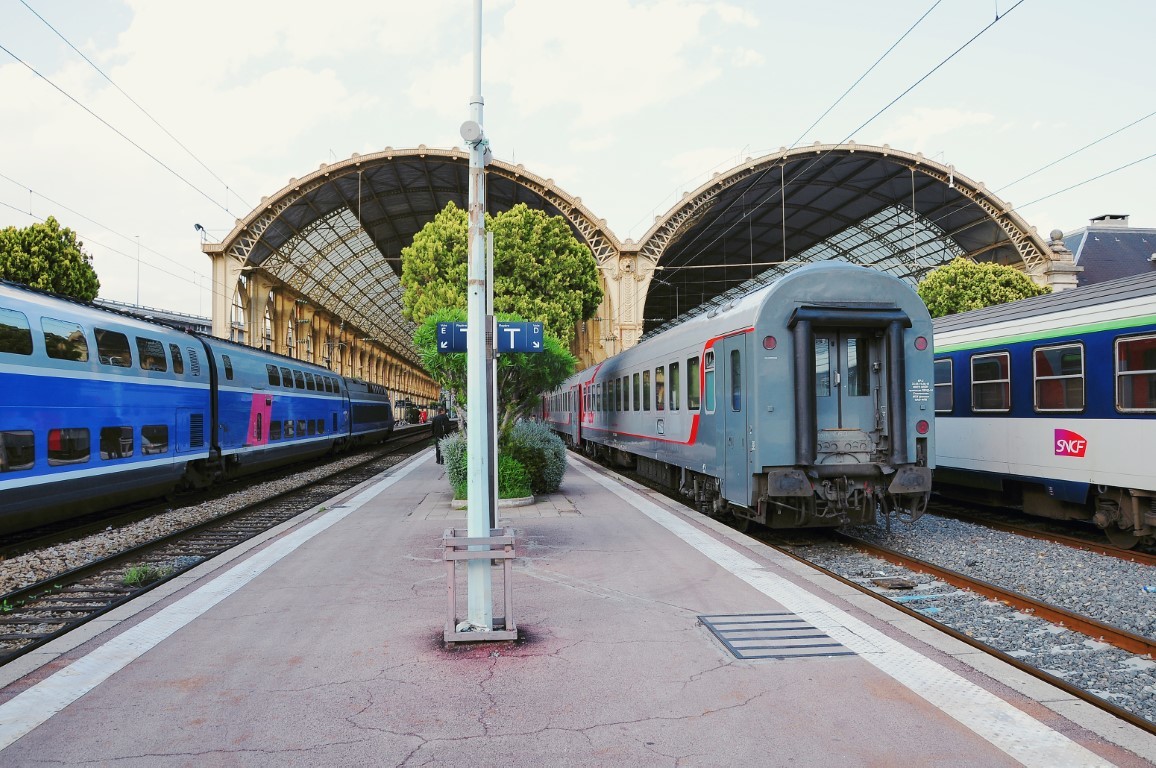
<point>1010,729</point>
<point>34,706</point>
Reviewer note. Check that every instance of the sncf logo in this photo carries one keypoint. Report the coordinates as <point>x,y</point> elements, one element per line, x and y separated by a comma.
<point>1069,443</point>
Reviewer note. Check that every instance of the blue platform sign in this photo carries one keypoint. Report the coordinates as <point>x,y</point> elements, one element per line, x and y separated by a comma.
<point>512,337</point>
<point>451,337</point>
<point>519,337</point>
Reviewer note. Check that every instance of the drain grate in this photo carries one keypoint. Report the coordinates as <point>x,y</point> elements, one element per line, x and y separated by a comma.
<point>771,636</point>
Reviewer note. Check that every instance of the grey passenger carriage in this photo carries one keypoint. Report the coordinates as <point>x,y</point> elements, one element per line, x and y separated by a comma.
<point>805,403</point>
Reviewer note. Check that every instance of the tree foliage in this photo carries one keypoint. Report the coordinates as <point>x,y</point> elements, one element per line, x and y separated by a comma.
<point>47,257</point>
<point>541,272</point>
<point>963,285</point>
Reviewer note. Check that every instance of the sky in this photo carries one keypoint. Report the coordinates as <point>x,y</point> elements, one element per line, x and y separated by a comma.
<point>624,103</point>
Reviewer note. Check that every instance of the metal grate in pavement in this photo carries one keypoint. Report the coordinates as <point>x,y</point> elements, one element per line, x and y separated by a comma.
<point>771,636</point>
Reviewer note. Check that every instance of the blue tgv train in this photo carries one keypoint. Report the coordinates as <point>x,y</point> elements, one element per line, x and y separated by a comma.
<point>101,408</point>
<point>1050,403</point>
<point>806,403</point>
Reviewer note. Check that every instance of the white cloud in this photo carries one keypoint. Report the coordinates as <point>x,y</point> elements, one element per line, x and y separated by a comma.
<point>914,130</point>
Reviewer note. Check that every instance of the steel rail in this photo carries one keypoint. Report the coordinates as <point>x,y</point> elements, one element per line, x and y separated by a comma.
<point>1113,709</point>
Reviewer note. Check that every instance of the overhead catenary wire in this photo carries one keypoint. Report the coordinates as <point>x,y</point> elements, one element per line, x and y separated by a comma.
<point>770,196</point>
<point>1073,153</point>
<point>134,102</point>
<point>116,130</point>
<point>91,241</point>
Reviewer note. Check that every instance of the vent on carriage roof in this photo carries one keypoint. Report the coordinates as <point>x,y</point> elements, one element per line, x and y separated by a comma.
<point>771,636</point>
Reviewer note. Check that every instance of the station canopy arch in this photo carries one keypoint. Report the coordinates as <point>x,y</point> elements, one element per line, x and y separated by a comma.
<point>335,236</point>
<point>875,206</point>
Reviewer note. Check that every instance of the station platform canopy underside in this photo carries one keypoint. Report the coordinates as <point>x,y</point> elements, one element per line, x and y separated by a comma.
<point>334,238</point>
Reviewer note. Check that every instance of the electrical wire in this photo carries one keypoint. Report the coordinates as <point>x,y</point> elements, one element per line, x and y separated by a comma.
<point>809,165</point>
<point>1086,181</point>
<point>878,61</point>
<point>117,131</point>
<point>90,241</point>
<point>133,101</point>
<point>1076,152</point>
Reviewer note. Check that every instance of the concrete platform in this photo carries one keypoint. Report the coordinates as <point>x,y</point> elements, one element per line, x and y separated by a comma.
<point>321,645</point>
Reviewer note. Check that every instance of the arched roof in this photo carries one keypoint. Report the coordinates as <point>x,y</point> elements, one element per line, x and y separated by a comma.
<point>877,206</point>
<point>336,235</point>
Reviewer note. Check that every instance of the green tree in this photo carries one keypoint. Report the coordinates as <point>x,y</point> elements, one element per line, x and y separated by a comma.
<point>47,257</point>
<point>521,376</point>
<point>963,285</point>
<point>541,272</point>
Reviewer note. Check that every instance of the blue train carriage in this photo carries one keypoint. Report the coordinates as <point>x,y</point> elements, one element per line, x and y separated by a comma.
<point>98,408</point>
<point>371,414</point>
<point>1049,402</point>
<point>273,409</point>
<point>804,404</point>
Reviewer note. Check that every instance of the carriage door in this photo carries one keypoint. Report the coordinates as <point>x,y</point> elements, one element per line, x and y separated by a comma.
<point>846,373</point>
<point>734,398</point>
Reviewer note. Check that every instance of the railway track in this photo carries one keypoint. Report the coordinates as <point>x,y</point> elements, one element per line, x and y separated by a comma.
<point>1093,629</point>
<point>1040,530</point>
<point>37,613</point>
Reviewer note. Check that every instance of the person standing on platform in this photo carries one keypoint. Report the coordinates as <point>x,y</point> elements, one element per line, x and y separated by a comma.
<point>441,428</point>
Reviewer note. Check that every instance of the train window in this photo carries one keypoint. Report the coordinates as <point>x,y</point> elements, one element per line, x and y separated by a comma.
<point>618,394</point>
<point>302,429</point>
<point>692,384</point>
<point>178,361</point>
<point>660,388</point>
<point>708,365</point>
<point>64,341</point>
<point>991,382</point>
<point>286,378</point>
<point>736,381</point>
<point>274,430</point>
<point>68,446</point>
<point>112,348</point>
<point>858,366</point>
<point>646,390</point>
<point>822,367</point>
<point>152,354</point>
<point>15,333</point>
<point>17,449</point>
<point>274,375</point>
<point>944,392</point>
<point>321,426</point>
<point>116,443</point>
<point>194,361</point>
<point>299,379</point>
<point>312,427</point>
<point>228,367</point>
<point>154,439</point>
<point>309,382</point>
<point>288,428</point>
<point>675,400</point>
<point>637,392</point>
<point>1136,374</point>
<point>1059,378</point>
<point>325,382</point>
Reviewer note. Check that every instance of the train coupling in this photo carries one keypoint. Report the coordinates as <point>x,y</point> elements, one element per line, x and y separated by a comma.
<point>911,479</point>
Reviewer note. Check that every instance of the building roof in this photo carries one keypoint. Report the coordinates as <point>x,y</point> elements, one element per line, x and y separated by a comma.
<point>1110,249</point>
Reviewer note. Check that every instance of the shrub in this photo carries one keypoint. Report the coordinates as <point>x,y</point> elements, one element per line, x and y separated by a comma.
<point>541,452</point>
<point>454,455</point>
<point>513,479</point>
